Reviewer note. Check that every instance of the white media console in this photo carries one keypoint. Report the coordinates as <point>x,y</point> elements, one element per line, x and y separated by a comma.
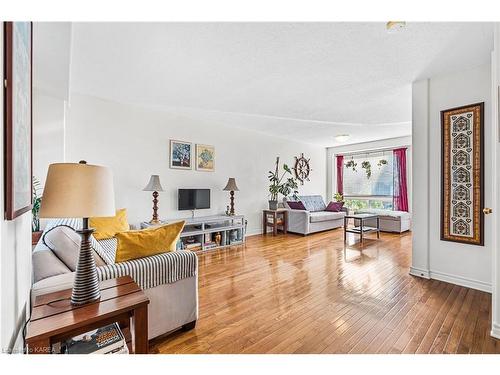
<point>209,232</point>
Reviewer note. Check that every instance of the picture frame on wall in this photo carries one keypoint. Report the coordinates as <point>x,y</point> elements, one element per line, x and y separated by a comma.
<point>462,177</point>
<point>18,62</point>
<point>205,158</point>
<point>181,155</point>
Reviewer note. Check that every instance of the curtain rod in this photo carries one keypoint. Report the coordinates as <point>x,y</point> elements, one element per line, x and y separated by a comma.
<point>370,151</point>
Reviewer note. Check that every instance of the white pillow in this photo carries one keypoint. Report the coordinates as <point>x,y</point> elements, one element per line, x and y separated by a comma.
<point>65,243</point>
<point>76,224</point>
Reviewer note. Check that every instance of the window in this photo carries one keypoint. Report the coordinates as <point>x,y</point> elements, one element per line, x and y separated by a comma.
<point>368,180</point>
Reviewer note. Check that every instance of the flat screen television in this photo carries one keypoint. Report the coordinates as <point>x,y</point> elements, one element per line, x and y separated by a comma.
<point>194,199</point>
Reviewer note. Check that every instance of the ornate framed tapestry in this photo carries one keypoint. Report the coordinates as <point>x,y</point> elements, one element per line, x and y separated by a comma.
<point>18,117</point>
<point>462,163</point>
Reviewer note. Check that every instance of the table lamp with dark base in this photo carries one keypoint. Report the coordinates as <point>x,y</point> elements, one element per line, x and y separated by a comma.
<point>80,191</point>
<point>154,186</point>
<point>231,187</point>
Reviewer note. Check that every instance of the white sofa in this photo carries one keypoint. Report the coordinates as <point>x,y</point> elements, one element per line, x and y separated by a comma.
<point>173,300</point>
<point>314,218</point>
<point>390,221</point>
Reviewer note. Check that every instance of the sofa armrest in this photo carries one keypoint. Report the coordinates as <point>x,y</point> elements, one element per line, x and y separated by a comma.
<point>298,221</point>
<point>148,272</point>
<point>345,209</point>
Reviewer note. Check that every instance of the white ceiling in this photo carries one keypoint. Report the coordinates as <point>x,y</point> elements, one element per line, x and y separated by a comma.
<point>294,80</point>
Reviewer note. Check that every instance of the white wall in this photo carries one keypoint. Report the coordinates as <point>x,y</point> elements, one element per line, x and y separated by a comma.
<point>365,147</point>
<point>15,264</point>
<point>461,264</point>
<point>134,142</point>
<point>48,132</point>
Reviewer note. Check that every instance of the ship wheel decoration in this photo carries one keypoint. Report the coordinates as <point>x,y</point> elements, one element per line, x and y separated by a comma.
<point>302,168</point>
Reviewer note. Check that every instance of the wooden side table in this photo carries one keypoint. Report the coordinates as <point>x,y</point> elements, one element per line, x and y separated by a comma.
<point>276,219</point>
<point>54,319</point>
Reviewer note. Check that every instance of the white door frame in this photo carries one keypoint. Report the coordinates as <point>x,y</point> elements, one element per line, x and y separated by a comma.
<point>495,107</point>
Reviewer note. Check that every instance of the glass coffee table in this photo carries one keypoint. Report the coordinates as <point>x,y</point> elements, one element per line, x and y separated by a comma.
<point>362,228</point>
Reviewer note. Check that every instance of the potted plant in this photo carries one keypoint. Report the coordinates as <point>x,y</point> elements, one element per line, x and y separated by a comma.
<point>283,184</point>
<point>36,233</point>
<point>338,197</point>
<point>351,164</point>
<point>366,165</point>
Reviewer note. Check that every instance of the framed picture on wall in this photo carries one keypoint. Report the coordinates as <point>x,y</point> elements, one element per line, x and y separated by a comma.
<point>462,180</point>
<point>205,158</point>
<point>18,38</point>
<point>181,154</point>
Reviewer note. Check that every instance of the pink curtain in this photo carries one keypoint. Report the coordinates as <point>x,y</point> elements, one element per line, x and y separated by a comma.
<point>340,174</point>
<point>400,195</point>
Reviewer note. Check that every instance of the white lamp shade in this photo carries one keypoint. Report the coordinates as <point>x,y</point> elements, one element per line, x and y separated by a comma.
<point>231,185</point>
<point>153,184</point>
<point>78,190</point>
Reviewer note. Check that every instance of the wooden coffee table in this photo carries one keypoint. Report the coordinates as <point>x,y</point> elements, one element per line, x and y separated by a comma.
<point>54,319</point>
<point>362,228</point>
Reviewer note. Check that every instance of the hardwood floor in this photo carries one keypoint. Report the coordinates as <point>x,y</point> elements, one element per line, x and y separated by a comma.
<point>294,294</point>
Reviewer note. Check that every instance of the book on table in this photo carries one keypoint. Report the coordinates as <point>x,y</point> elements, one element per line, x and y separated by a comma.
<point>104,340</point>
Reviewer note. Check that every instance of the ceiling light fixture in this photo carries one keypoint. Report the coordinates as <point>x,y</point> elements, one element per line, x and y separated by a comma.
<point>342,137</point>
<point>395,26</point>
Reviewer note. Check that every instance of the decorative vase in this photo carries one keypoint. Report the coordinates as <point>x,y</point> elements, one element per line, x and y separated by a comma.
<point>35,237</point>
<point>273,205</point>
<point>218,238</point>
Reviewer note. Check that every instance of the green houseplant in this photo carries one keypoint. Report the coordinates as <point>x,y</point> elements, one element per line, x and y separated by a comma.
<point>281,182</point>
<point>338,197</point>
<point>35,210</point>
<point>366,165</point>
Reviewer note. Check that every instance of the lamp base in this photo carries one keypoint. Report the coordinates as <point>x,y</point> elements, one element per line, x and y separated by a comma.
<point>86,284</point>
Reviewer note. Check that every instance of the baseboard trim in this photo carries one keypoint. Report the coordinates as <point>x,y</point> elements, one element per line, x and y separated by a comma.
<point>495,330</point>
<point>462,281</point>
<point>420,272</point>
<point>453,279</point>
<point>251,233</point>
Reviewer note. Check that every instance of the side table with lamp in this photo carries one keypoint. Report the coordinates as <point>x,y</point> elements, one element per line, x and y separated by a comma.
<point>80,190</point>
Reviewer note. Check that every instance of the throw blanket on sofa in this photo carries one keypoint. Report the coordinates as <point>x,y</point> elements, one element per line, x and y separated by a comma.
<point>148,272</point>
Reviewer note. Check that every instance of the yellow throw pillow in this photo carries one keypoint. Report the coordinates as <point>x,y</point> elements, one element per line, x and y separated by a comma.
<point>107,227</point>
<point>135,244</point>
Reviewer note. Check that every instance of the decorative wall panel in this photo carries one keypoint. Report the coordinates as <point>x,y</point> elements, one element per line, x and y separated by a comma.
<point>462,197</point>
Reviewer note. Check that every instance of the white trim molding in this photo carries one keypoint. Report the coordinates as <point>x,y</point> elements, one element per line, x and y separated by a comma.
<point>462,281</point>
<point>453,279</point>
<point>420,272</point>
<point>495,330</point>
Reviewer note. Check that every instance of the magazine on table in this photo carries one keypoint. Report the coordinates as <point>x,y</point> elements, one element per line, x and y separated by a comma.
<point>104,340</point>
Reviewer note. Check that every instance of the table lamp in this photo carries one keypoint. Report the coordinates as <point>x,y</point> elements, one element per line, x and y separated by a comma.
<point>231,187</point>
<point>154,186</point>
<point>80,190</point>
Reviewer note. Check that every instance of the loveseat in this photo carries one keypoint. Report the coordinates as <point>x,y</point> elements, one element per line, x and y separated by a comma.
<point>314,218</point>
<point>170,280</point>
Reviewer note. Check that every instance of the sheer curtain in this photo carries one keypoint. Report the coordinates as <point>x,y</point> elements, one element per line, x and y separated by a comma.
<point>340,174</point>
<point>400,197</point>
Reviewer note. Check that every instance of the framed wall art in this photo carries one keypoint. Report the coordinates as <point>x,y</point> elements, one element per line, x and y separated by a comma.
<point>462,182</point>
<point>205,158</point>
<point>18,38</point>
<point>181,154</point>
